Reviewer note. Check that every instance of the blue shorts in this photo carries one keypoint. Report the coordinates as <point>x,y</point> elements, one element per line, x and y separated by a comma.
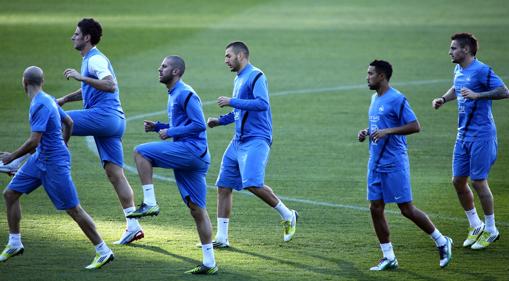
<point>474,159</point>
<point>54,177</point>
<point>107,130</point>
<point>190,170</point>
<point>390,186</point>
<point>244,164</point>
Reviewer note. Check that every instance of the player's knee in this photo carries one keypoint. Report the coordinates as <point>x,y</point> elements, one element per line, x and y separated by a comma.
<point>10,195</point>
<point>376,208</point>
<point>74,212</point>
<point>459,182</point>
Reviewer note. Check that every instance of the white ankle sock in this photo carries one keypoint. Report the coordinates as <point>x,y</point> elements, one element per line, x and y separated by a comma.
<point>102,249</point>
<point>208,255</point>
<point>132,224</point>
<point>489,222</point>
<point>438,238</point>
<point>285,213</point>
<point>222,228</point>
<point>473,218</point>
<point>149,195</point>
<point>388,251</point>
<point>15,240</point>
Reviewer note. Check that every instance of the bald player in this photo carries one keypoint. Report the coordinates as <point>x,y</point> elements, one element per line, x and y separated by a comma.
<point>49,166</point>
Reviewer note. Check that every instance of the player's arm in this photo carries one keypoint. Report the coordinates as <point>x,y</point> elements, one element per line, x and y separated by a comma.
<point>74,96</point>
<point>106,84</point>
<point>67,125</point>
<point>407,129</point>
<point>28,147</point>
<point>448,96</point>
<point>260,94</point>
<point>495,94</point>
<point>222,120</point>
<point>195,115</point>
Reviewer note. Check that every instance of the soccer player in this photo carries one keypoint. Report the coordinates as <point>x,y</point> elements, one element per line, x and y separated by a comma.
<point>187,155</point>
<point>388,179</point>
<point>49,166</point>
<point>102,116</point>
<point>244,161</point>
<point>475,86</point>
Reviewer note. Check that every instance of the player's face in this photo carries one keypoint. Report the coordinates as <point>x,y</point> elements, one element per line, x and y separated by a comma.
<point>78,40</point>
<point>373,78</point>
<point>232,60</point>
<point>457,53</point>
<point>166,72</point>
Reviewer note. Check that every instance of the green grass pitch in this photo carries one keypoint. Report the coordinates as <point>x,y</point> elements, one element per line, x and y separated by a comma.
<point>315,55</point>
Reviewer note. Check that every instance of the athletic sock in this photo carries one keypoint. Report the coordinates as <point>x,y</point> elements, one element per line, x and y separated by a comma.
<point>438,238</point>
<point>208,255</point>
<point>489,221</point>
<point>132,224</point>
<point>285,213</point>
<point>149,196</point>
<point>102,249</point>
<point>222,228</point>
<point>473,218</point>
<point>15,240</point>
<point>388,251</point>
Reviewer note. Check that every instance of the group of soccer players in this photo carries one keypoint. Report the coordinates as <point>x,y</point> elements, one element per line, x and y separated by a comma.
<point>244,161</point>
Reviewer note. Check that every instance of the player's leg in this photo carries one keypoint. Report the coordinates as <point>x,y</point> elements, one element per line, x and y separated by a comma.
<point>483,156</point>
<point>461,170</point>
<point>381,228</point>
<point>253,156</point>
<point>204,228</point>
<point>103,253</point>
<point>25,181</point>
<point>228,179</point>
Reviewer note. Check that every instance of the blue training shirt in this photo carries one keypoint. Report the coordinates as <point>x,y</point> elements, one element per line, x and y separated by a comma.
<point>475,118</point>
<point>186,119</point>
<point>388,111</point>
<point>46,117</point>
<point>94,98</point>
<point>250,100</point>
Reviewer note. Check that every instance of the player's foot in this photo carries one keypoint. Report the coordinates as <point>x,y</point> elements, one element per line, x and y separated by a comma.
<point>290,226</point>
<point>221,243</point>
<point>144,210</point>
<point>99,260</point>
<point>473,234</point>
<point>385,264</point>
<point>130,236</point>
<point>10,252</point>
<point>485,240</point>
<point>202,269</point>
<point>445,252</point>
<point>13,167</point>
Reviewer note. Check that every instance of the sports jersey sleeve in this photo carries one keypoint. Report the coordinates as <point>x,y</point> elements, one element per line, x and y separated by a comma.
<point>227,118</point>
<point>260,101</point>
<point>39,117</point>
<point>406,114</point>
<point>195,123</point>
<point>491,80</point>
<point>98,65</point>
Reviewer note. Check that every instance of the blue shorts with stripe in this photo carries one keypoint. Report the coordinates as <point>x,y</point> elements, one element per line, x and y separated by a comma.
<point>54,177</point>
<point>474,158</point>
<point>244,164</point>
<point>391,187</point>
<point>190,170</point>
<point>107,130</point>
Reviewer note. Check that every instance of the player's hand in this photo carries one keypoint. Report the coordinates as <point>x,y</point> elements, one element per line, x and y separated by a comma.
<point>72,73</point>
<point>6,157</point>
<point>469,94</point>
<point>162,134</point>
<point>362,134</point>
<point>212,122</point>
<point>379,134</point>
<point>223,101</point>
<point>437,103</point>
<point>149,125</point>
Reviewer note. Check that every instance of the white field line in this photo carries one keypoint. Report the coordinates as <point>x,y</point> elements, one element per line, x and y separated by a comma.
<point>91,145</point>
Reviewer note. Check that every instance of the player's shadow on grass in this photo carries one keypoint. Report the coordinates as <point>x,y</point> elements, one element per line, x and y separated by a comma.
<point>162,251</point>
<point>301,266</point>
